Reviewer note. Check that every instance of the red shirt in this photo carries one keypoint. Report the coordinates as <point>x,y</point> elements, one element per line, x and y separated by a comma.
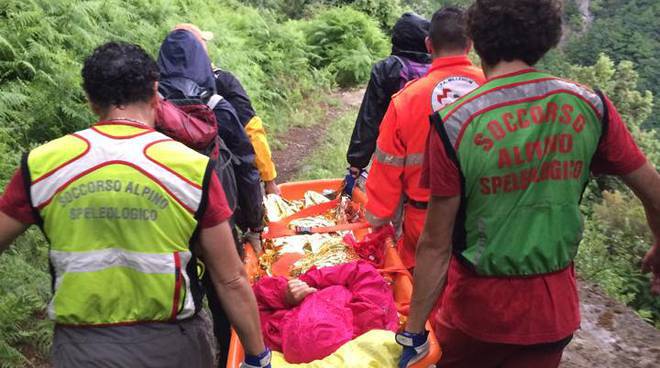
<point>15,203</point>
<point>521,311</point>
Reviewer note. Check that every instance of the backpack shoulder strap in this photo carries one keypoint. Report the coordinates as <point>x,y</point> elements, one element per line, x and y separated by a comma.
<point>403,62</point>
<point>214,100</point>
<point>404,74</point>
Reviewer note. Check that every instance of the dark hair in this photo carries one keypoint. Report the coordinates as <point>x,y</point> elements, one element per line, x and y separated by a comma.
<point>507,30</point>
<point>449,29</point>
<point>119,73</point>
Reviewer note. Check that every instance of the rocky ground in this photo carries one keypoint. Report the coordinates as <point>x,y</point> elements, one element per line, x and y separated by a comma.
<point>612,335</point>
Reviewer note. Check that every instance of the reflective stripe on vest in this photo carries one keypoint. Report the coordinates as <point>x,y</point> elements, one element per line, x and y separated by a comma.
<point>457,118</point>
<point>414,159</point>
<point>131,152</point>
<point>120,252</point>
<point>523,145</point>
<point>79,262</point>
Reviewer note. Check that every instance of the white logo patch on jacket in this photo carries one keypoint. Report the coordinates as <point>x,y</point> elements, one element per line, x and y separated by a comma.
<point>450,90</point>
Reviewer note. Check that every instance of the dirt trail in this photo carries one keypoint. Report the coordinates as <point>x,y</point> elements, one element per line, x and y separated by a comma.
<point>299,143</point>
<point>612,335</point>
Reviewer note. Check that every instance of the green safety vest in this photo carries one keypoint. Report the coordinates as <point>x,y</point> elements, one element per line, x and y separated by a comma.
<point>523,144</point>
<point>119,205</point>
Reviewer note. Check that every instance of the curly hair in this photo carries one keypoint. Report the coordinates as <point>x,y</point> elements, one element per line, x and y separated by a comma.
<point>119,73</point>
<point>507,30</point>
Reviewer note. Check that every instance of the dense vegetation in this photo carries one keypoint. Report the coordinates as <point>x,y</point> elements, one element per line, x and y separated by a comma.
<point>289,54</point>
<point>624,30</point>
<point>616,234</point>
<point>42,46</point>
<point>616,48</point>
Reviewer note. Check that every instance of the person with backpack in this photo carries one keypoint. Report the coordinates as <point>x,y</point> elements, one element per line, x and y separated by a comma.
<point>127,213</point>
<point>507,166</point>
<point>186,75</point>
<point>231,89</point>
<point>187,80</point>
<point>397,163</point>
<point>409,60</point>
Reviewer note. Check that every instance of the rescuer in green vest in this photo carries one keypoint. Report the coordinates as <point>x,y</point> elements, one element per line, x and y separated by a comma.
<point>507,165</point>
<point>128,212</point>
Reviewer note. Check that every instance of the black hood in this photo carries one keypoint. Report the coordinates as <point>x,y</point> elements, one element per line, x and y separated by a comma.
<point>409,33</point>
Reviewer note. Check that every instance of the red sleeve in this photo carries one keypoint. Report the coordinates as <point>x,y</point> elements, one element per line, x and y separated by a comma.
<point>15,202</point>
<point>217,209</point>
<point>617,153</point>
<point>439,173</point>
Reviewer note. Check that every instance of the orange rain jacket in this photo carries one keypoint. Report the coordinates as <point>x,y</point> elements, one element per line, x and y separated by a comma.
<point>399,155</point>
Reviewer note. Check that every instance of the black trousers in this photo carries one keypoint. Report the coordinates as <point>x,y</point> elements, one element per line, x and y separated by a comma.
<point>221,325</point>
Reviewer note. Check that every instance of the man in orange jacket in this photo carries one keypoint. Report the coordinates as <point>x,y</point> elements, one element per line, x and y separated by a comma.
<point>400,148</point>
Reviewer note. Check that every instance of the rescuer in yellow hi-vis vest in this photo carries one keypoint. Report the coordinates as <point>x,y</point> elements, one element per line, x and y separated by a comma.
<point>128,212</point>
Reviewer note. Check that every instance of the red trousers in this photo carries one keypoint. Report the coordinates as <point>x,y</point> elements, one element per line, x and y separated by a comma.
<point>413,224</point>
<point>462,351</point>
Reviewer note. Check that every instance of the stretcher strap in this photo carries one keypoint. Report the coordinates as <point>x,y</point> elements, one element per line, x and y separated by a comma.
<point>311,211</point>
<point>278,232</point>
<point>280,229</point>
<point>332,229</point>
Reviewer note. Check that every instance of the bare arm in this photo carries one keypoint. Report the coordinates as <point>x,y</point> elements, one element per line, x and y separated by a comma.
<point>231,283</point>
<point>645,182</point>
<point>10,229</point>
<point>433,255</point>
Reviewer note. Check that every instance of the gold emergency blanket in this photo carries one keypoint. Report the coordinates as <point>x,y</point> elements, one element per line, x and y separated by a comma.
<point>320,250</point>
<point>278,208</point>
<point>374,349</point>
<point>332,253</point>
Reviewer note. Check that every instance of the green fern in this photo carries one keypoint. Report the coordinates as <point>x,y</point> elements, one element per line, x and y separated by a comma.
<point>43,44</point>
<point>7,52</point>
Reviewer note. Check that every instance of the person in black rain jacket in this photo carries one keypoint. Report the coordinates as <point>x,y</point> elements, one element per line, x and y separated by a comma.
<point>409,60</point>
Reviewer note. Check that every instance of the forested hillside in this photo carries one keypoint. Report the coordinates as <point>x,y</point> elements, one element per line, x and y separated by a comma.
<point>290,54</point>
<point>624,30</point>
<point>614,46</point>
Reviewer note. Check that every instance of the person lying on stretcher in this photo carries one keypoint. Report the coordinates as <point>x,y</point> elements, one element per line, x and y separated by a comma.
<point>297,290</point>
<point>332,305</point>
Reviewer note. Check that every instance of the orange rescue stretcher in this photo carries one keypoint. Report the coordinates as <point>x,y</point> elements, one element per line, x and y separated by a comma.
<point>402,281</point>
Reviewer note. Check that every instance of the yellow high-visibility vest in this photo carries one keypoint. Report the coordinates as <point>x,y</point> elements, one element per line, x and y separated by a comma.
<point>119,204</point>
